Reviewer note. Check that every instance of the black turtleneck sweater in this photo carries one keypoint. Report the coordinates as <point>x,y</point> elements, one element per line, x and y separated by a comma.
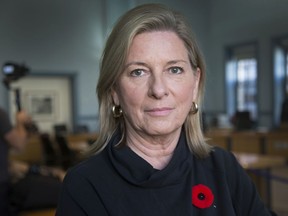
<point>117,182</point>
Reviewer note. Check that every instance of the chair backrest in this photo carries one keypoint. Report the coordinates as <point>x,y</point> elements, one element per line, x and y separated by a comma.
<point>243,120</point>
<point>277,144</point>
<point>62,144</point>
<point>246,141</point>
<point>50,153</point>
<point>60,129</point>
<point>67,155</point>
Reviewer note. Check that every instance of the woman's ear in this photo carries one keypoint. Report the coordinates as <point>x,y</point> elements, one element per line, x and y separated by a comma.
<point>115,96</point>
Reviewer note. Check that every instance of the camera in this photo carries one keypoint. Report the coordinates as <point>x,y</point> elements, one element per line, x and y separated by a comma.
<point>13,71</point>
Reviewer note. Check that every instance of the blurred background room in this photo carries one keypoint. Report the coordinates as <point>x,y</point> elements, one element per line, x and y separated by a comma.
<point>53,48</point>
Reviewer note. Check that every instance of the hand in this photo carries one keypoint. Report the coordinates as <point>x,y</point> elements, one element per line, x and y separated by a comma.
<point>18,170</point>
<point>23,118</point>
<point>25,124</point>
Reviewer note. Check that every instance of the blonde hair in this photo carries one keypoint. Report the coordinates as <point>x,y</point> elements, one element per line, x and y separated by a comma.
<point>145,18</point>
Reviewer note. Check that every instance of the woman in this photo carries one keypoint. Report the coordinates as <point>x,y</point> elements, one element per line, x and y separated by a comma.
<point>151,157</point>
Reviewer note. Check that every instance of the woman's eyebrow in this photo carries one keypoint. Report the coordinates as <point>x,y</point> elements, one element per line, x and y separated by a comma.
<point>144,64</point>
<point>135,63</point>
<point>176,61</point>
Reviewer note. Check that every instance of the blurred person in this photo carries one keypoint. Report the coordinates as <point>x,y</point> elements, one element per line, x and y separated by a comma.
<point>150,157</point>
<point>23,185</point>
<point>10,137</point>
<point>33,186</point>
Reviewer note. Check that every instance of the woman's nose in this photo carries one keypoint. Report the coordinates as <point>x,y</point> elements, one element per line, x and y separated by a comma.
<point>158,86</point>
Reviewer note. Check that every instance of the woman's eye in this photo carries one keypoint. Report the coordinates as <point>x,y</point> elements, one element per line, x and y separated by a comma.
<point>176,70</point>
<point>137,72</point>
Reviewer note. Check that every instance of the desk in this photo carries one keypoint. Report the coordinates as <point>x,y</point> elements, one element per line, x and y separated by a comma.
<point>79,142</point>
<point>258,167</point>
<point>44,212</point>
<point>257,161</point>
<point>78,146</point>
<point>32,153</point>
<point>81,137</point>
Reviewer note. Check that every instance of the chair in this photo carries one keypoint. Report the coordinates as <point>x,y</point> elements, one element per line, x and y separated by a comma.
<point>247,141</point>
<point>243,121</point>
<point>51,156</point>
<point>34,195</point>
<point>219,137</point>
<point>277,144</point>
<point>60,129</point>
<point>68,157</point>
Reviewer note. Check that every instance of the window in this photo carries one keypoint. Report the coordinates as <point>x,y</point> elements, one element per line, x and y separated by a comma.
<point>241,80</point>
<point>286,74</point>
<point>280,57</point>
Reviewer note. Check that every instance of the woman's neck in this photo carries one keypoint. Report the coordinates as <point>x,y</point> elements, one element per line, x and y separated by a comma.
<point>157,151</point>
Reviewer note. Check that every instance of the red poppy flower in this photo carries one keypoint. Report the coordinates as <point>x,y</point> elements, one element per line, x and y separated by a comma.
<point>202,196</point>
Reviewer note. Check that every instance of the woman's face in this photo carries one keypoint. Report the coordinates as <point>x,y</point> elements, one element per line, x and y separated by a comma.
<point>158,85</point>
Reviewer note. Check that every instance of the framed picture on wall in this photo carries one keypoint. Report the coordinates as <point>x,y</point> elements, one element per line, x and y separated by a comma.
<point>42,105</point>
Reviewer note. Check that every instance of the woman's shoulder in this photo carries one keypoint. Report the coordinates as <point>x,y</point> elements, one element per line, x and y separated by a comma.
<point>221,159</point>
<point>94,165</point>
<point>220,153</point>
<point>221,162</point>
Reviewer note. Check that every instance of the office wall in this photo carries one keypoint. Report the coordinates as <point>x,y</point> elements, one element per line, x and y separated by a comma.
<point>64,37</point>
<point>56,37</point>
<point>67,37</point>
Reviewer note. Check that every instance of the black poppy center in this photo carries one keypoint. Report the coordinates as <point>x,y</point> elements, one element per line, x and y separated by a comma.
<point>201,196</point>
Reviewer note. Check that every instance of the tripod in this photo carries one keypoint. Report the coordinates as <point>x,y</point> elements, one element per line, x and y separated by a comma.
<point>31,127</point>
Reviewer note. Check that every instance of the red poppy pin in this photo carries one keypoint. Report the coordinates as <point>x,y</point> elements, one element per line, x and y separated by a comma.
<point>202,196</point>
